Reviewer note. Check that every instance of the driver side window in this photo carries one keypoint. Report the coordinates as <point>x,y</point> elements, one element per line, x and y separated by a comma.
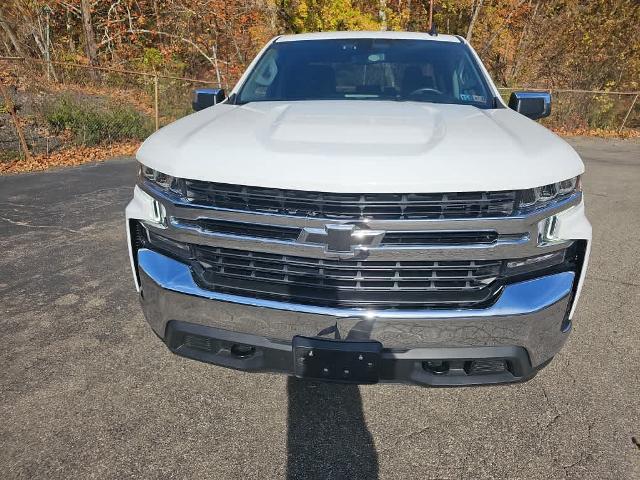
<point>262,81</point>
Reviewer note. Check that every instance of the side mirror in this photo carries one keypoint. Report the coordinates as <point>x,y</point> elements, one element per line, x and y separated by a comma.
<point>534,105</point>
<point>207,97</point>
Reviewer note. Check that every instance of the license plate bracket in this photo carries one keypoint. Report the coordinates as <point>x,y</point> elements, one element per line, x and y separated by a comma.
<point>336,360</point>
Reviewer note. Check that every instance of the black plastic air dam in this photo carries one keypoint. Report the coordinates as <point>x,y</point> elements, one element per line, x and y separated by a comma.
<point>216,346</point>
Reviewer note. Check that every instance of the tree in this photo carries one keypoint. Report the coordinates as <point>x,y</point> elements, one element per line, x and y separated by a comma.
<point>474,17</point>
<point>11,34</point>
<point>89,37</point>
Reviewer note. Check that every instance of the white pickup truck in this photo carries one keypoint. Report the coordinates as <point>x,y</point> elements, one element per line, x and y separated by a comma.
<point>362,207</point>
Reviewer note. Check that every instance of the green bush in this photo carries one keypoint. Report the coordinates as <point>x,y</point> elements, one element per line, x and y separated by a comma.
<point>93,124</point>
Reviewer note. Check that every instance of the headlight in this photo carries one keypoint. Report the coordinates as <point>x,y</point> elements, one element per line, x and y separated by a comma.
<point>565,260</point>
<point>530,264</point>
<point>162,180</point>
<point>538,197</point>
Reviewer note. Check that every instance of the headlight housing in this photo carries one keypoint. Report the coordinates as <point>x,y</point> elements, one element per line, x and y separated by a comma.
<point>564,260</point>
<point>159,179</point>
<point>539,197</point>
<point>521,266</point>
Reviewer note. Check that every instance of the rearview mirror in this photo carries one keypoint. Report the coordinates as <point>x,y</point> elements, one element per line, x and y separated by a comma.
<point>534,105</point>
<point>207,97</point>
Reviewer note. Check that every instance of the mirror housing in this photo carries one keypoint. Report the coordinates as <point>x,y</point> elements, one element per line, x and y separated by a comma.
<point>534,105</point>
<point>207,97</point>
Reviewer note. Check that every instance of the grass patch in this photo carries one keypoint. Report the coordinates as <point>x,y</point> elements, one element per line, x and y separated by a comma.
<point>94,124</point>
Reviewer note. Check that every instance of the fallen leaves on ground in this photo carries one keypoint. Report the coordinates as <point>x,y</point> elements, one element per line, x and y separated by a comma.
<point>598,132</point>
<point>70,157</point>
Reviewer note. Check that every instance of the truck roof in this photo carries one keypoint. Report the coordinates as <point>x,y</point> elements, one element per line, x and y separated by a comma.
<point>371,34</point>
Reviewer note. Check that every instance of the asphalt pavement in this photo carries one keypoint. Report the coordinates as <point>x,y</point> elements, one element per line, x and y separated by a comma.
<point>88,391</point>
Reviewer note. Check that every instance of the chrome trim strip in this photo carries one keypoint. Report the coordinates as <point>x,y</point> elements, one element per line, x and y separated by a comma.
<point>511,248</point>
<point>517,236</point>
<point>516,299</point>
<point>179,208</point>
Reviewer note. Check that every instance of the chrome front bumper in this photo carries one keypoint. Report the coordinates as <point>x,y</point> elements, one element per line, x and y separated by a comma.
<point>527,315</point>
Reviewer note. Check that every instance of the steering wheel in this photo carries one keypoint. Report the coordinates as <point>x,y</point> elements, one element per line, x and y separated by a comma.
<point>418,91</point>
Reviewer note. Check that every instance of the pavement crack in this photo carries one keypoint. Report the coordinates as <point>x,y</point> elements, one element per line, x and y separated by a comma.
<point>617,282</point>
<point>402,438</point>
<point>553,421</point>
<point>29,225</point>
<point>544,393</point>
<point>568,372</point>
<point>582,458</point>
<point>21,205</point>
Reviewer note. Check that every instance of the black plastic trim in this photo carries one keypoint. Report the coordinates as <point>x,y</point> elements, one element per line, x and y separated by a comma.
<point>396,366</point>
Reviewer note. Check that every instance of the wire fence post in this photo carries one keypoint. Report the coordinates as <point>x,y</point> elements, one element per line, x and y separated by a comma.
<point>11,108</point>
<point>626,117</point>
<point>155,102</point>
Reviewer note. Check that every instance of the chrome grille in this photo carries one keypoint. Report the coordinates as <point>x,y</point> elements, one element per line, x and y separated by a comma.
<point>436,237</point>
<point>280,232</point>
<point>345,282</point>
<point>351,206</point>
<point>255,230</point>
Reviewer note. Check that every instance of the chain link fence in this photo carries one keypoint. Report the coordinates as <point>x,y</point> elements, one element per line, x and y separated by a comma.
<point>56,107</point>
<point>584,110</point>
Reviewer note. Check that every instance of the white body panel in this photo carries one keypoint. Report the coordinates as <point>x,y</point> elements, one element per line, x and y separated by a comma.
<point>362,146</point>
<point>365,146</point>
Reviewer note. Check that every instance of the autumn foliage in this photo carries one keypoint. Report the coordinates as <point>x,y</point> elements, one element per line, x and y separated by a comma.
<point>592,44</point>
<point>556,44</point>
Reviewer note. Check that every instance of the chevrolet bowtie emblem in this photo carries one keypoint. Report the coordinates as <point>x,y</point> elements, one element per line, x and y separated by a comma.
<point>343,239</point>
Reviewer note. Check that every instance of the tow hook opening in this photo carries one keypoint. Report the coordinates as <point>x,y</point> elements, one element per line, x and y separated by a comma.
<point>437,367</point>
<point>239,350</point>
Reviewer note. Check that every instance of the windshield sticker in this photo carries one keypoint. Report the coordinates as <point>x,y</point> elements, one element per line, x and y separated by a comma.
<point>472,98</point>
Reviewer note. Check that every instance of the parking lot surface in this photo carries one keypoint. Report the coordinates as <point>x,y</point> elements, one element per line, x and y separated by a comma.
<point>88,391</point>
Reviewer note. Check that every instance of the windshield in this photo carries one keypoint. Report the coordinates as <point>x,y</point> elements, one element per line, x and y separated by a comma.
<point>367,69</point>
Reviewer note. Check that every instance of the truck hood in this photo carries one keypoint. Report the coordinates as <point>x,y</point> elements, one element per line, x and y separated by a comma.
<point>362,146</point>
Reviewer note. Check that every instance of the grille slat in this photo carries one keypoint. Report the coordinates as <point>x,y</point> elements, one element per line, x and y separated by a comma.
<point>351,206</point>
<point>349,264</point>
<point>255,230</point>
<point>285,272</point>
<point>440,238</point>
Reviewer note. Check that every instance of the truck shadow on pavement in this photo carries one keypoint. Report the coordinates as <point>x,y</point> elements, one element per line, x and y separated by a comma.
<point>327,436</point>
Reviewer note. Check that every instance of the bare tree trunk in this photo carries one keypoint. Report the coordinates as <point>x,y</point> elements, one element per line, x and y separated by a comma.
<point>39,43</point>
<point>8,30</point>
<point>90,38</point>
<point>431,15</point>
<point>382,14</point>
<point>215,64</point>
<point>72,46</point>
<point>521,42</point>
<point>11,108</point>
<point>474,17</point>
<point>156,13</point>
